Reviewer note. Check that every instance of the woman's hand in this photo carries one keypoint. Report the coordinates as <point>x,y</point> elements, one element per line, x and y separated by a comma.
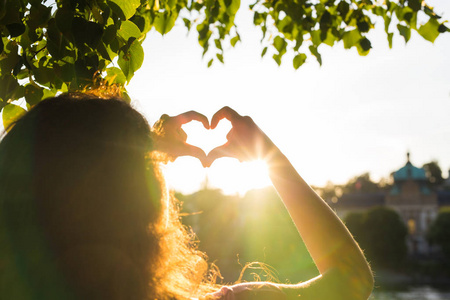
<point>171,139</point>
<point>245,141</point>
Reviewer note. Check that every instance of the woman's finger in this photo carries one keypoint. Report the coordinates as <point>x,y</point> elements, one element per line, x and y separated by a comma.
<point>191,116</point>
<point>224,113</point>
<point>189,150</point>
<point>222,151</point>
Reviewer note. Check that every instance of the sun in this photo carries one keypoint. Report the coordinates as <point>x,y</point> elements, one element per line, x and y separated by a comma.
<point>233,177</point>
<point>186,175</point>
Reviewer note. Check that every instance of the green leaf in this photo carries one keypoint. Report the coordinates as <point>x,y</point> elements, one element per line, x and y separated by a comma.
<point>220,57</point>
<point>126,97</point>
<point>315,37</point>
<point>430,30</point>
<point>365,44</point>
<point>86,32</point>
<point>39,15</point>
<point>8,86</point>
<point>416,5</point>
<point>351,38</point>
<point>316,53</point>
<point>125,9</point>
<point>277,59</point>
<point>11,113</point>
<point>218,44</point>
<point>15,29</point>
<point>64,17</point>
<point>128,30</point>
<point>442,28</point>
<point>44,75</point>
<point>343,9</point>
<point>164,22</point>
<point>232,6</point>
<point>258,18</point>
<point>24,73</point>
<point>280,44</point>
<point>210,62</point>
<point>109,34</point>
<point>131,60</point>
<point>330,40</point>
<point>65,72</point>
<point>104,51</point>
<point>363,26</point>
<point>299,60</point>
<point>387,22</point>
<point>404,31</point>
<point>97,15</point>
<point>234,40</point>
<point>187,23</point>
<point>56,44</point>
<point>171,4</point>
<point>33,94</point>
<point>115,75</point>
<point>299,41</point>
<point>50,93</point>
<point>8,62</point>
<point>9,12</point>
<point>264,52</point>
<point>390,36</point>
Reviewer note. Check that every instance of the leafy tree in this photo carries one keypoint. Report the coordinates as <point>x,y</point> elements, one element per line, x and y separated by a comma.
<point>381,233</point>
<point>361,183</point>
<point>439,232</point>
<point>354,222</point>
<point>67,45</point>
<point>434,173</point>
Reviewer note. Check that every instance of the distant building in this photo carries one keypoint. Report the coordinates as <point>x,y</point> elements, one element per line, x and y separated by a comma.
<point>410,196</point>
<point>418,206</point>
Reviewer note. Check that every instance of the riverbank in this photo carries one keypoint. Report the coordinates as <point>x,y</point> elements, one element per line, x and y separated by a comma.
<point>414,273</point>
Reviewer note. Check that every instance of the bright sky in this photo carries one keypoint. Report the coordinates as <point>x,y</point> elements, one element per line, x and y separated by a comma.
<point>352,115</point>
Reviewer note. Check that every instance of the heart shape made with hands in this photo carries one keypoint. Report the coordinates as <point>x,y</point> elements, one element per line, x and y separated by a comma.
<point>205,139</point>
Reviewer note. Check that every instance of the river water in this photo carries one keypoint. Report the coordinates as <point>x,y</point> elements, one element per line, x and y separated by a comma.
<point>412,293</point>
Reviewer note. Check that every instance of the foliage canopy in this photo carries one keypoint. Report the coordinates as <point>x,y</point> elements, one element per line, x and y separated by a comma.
<point>381,233</point>
<point>67,45</point>
<point>434,173</point>
<point>439,232</point>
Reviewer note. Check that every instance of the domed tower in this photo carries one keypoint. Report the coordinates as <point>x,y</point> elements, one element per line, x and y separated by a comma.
<point>411,197</point>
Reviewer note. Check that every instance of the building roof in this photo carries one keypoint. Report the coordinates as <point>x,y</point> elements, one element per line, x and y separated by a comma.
<point>409,172</point>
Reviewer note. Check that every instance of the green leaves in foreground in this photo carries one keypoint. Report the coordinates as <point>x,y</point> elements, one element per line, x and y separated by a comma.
<point>125,9</point>
<point>11,113</point>
<point>130,59</point>
<point>66,45</point>
<point>309,24</point>
<point>430,30</point>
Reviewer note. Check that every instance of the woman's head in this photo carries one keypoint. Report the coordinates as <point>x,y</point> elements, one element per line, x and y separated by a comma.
<point>81,204</point>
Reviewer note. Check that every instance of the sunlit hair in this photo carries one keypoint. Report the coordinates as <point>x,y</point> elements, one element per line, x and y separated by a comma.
<point>83,208</point>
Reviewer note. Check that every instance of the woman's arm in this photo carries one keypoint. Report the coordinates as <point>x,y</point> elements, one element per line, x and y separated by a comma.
<point>344,272</point>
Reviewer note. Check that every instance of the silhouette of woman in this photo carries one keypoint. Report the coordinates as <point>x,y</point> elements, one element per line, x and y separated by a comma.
<point>84,213</point>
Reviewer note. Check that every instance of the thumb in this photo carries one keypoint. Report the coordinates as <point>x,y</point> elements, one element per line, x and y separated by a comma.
<point>196,152</point>
<point>222,151</point>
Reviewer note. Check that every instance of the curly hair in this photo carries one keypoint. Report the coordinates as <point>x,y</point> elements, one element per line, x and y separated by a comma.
<point>84,213</point>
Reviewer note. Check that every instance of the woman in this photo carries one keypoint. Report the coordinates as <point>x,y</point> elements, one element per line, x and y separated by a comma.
<point>84,213</point>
